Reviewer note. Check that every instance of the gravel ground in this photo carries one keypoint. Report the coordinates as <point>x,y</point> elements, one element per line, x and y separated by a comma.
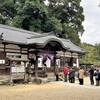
<point>50,91</point>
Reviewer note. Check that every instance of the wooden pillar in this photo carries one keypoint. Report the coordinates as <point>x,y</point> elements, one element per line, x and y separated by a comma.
<point>36,64</point>
<point>25,80</point>
<point>54,61</point>
<point>11,76</point>
<point>28,53</point>
<point>71,60</point>
<point>21,50</point>
<point>5,49</point>
<point>36,80</point>
<point>63,58</point>
<point>77,61</point>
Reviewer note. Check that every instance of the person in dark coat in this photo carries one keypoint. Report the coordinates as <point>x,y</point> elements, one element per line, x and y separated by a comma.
<point>72,75</point>
<point>91,72</point>
<point>97,77</point>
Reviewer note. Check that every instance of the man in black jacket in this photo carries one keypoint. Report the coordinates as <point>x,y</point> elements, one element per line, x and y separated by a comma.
<point>97,77</point>
<point>91,71</point>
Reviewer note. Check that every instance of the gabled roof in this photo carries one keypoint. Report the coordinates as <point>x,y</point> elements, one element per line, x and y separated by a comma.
<point>46,38</point>
<point>20,36</point>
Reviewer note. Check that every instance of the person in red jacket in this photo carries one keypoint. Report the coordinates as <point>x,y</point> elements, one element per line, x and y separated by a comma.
<point>66,71</point>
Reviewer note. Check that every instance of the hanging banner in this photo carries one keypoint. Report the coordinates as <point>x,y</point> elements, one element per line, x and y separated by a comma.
<point>48,62</point>
<point>40,62</point>
<point>58,62</point>
<point>49,59</point>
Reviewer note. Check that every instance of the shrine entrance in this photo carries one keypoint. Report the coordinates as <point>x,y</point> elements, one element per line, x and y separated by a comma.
<point>44,59</point>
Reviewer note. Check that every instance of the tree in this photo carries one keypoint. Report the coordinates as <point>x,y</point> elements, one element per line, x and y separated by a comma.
<point>70,13</point>
<point>59,16</point>
<point>23,13</point>
<point>91,56</point>
<point>98,50</point>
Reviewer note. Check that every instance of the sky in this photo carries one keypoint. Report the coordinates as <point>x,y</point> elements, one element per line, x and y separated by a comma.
<point>91,24</point>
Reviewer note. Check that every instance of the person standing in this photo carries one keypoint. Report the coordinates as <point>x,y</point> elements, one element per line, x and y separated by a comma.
<point>72,75</point>
<point>44,69</point>
<point>97,77</point>
<point>81,76</point>
<point>91,72</point>
<point>66,71</point>
<point>57,73</point>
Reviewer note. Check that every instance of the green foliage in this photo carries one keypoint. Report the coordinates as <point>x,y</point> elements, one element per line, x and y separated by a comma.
<point>91,56</point>
<point>98,48</point>
<point>59,16</point>
<point>98,51</point>
<point>16,21</point>
<point>72,33</point>
<point>70,14</point>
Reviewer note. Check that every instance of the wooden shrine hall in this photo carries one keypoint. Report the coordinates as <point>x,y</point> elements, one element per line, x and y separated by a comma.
<point>23,51</point>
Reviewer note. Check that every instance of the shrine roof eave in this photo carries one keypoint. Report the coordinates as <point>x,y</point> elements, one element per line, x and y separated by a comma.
<point>65,43</point>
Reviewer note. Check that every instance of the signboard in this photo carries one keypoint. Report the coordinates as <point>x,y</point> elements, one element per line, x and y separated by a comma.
<point>18,72</point>
<point>2,61</point>
<point>16,69</point>
<point>17,57</point>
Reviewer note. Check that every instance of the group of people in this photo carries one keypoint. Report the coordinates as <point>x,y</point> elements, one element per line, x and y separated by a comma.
<point>70,73</point>
<point>94,72</point>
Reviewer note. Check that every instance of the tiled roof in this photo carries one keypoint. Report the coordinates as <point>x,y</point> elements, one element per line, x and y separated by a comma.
<point>66,43</point>
<point>16,35</point>
<point>20,36</point>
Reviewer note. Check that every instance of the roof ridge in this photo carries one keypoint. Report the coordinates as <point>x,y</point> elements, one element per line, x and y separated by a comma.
<point>17,29</point>
<point>41,35</point>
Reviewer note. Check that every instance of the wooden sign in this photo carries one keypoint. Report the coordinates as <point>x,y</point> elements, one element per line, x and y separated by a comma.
<point>18,72</point>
